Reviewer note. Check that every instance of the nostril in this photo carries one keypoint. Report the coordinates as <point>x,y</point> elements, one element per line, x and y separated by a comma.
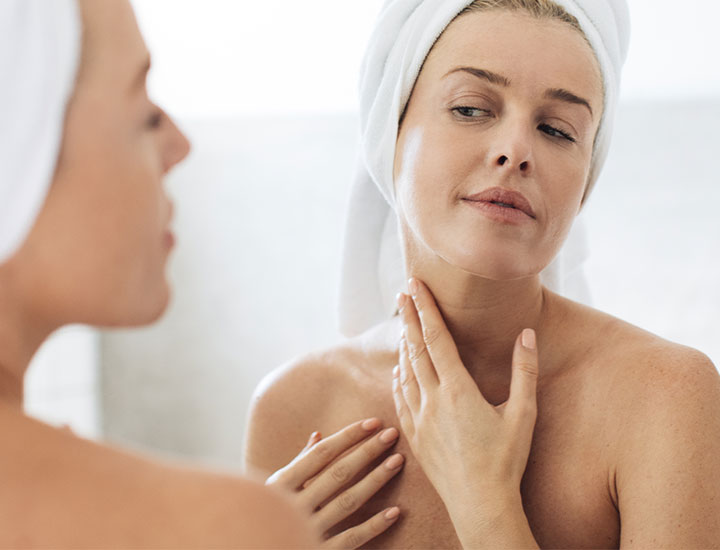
<point>502,160</point>
<point>523,166</point>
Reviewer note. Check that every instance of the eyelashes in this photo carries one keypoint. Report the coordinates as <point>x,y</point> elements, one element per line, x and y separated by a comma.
<point>475,113</point>
<point>556,132</point>
<point>468,112</point>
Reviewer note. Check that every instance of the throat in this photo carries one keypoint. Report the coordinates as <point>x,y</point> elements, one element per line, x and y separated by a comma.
<point>485,327</point>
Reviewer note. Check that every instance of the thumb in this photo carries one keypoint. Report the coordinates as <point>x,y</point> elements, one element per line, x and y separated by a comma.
<point>525,371</point>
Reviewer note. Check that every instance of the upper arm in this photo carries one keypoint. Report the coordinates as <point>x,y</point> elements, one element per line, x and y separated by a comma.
<point>668,472</point>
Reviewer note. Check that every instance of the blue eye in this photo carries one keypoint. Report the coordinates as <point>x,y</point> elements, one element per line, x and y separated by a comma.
<point>554,132</point>
<point>470,112</point>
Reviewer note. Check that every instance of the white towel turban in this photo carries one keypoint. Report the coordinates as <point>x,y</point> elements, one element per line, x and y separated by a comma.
<point>39,52</point>
<point>373,270</point>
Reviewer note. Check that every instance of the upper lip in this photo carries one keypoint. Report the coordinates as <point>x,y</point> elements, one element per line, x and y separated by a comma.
<point>505,196</point>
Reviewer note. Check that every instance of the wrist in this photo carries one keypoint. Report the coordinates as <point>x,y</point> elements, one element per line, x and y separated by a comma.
<point>492,519</point>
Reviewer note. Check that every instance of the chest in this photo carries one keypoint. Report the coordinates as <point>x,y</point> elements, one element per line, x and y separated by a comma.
<point>564,490</point>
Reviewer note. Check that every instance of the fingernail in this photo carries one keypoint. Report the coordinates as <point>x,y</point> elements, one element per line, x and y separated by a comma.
<point>394,462</point>
<point>370,424</point>
<point>389,435</point>
<point>392,513</point>
<point>396,371</point>
<point>413,286</point>
<point>400,298</point>
<point>528,339</point>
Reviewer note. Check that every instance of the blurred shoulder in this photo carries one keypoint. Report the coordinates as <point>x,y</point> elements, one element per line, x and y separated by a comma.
<point>78,475</point>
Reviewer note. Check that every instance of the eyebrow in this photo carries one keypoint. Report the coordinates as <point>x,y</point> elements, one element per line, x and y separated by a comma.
<point>139,80</point>
<point>559,94</point>
<point>569,97</point>
<point>491,77</point>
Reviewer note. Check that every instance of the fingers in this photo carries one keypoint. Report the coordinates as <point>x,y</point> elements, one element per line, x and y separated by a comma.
<point>314,438</point>
<point>525,371</point>
<point>417,352</point>
<point>403,412</point>
<point>350,500</point>
<point>342,472</point>
<point>408,382</point>
<point>360,534</point>
<point>312,460</point>
<point>434,333</point>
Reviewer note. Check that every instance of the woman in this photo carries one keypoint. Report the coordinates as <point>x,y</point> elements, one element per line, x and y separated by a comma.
<point>84,238</point>
<point>530,420</point>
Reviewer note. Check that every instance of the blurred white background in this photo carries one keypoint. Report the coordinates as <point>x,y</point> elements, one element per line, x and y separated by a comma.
<point>267,93</point>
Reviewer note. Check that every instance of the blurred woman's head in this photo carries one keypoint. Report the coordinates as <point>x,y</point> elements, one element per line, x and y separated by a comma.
<point>98,249</point>
<point>496,142</point>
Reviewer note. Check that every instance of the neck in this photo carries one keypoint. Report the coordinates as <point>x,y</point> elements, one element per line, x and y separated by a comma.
<point>484,317</point>
<point>20,337</point>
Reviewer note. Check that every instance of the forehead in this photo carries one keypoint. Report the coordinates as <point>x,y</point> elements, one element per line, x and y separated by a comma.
<point>114,49</point>
<point>530,52</point>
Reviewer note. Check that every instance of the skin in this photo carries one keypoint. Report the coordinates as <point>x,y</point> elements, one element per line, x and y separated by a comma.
<point>615,425</point>
<point>97,254</point>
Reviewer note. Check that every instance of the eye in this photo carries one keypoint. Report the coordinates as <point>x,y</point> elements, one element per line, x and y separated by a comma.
<point>155,119</point>
<point>470,112</point>
<point>555,132</point>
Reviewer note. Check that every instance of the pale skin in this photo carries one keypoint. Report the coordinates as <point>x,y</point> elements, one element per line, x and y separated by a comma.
<point>97,254</point>
<point>602,424</point>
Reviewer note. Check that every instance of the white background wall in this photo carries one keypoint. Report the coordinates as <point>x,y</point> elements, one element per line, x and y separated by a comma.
<point>266,91</point>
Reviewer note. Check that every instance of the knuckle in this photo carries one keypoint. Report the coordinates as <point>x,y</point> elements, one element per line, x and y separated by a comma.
<point>430,335</point>
<point>347,502</point>
<point>451,390</point>
<point>323,452</point>
<point>406,379</point>
<point>353,539</point>
<point>416,351</point>
<point>340,473</point>
<point>527,367</point>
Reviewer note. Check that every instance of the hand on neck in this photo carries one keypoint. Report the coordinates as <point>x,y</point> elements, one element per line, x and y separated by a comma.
<point>484,316</point>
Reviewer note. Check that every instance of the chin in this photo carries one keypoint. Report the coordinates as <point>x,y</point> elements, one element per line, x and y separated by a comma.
<point>141,311</point>
<point>157,307</point>
<point>496,264</point>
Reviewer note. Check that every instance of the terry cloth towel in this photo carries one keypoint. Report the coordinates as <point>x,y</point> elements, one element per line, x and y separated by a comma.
<point>39,52</point>
<point>373,270</point>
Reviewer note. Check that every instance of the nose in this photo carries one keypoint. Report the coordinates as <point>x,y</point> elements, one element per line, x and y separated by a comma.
<point>177,146</point>
<point>504,160</point>
<point>512,149</point>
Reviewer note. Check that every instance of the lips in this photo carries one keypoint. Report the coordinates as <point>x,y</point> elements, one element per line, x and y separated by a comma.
<point>505,198</point>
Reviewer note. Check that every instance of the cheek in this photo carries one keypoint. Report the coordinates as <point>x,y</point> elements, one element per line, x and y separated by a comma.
<point>427,175</point>
<point>563,191</point>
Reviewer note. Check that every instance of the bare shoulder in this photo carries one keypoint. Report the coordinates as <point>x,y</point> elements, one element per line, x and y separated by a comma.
<point>311,393</point>
<point>661,405</point>
<point>82,494</point>
<point>292,398</point>
<point>634,357</point>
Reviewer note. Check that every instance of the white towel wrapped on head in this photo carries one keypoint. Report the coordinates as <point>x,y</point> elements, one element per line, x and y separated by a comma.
<point>373,270</point>
<point>39,53</point>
